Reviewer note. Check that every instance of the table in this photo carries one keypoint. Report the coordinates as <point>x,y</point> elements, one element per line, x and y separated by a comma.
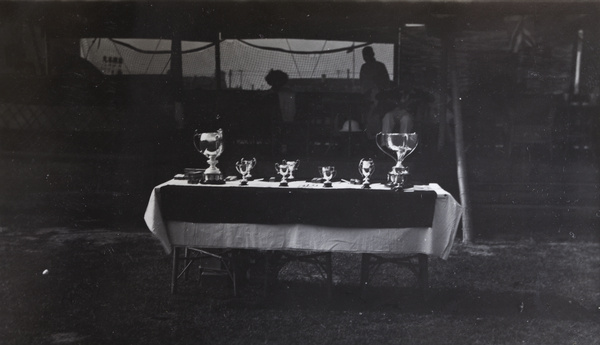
<point>419,222</point>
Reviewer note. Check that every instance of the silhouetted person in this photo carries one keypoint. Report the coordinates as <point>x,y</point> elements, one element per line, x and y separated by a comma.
<point>374,78</point>
<point>283,105</point>
<point>286,97</point>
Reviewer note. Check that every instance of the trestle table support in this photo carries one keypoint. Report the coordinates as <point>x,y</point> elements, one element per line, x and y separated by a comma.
<point>192,254</point>
<point>322,260</point>
<point>371,262</point>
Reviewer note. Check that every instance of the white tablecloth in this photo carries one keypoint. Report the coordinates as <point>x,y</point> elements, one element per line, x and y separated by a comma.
<point>436,240</point>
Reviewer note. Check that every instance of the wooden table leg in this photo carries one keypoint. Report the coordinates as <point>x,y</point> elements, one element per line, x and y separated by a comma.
<point>329,273</point>
<point>174,270</point>
<point>186,254</point>
<point>233,268</point>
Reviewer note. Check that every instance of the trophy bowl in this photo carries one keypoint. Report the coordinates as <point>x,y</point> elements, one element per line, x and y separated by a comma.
<point>210,144</point>
<point>398,146</point>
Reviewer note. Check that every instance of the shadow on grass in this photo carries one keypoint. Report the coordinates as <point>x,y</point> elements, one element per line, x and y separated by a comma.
<point>113,287</point>
<point>312,296</point>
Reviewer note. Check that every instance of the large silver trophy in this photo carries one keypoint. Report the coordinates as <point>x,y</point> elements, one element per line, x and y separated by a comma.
<point>398,146</point>
<point>210,145</point>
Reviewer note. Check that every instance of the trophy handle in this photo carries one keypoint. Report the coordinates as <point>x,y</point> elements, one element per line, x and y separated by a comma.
<point>377,138</point>
<point>411,151</point>
<point>239,168</point>
<point>196,140</point>
<point>219,138</point>
<point>415,147</point>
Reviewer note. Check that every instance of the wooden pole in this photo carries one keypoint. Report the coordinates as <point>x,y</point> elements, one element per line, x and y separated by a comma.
<point>177,80</point>
<point>461,162</point>
<point>218,119</point>
<point>576,81</point>
<point>218,62</point>
<point>176,68</point>
<point>443,80</point>
<point>397,57</point>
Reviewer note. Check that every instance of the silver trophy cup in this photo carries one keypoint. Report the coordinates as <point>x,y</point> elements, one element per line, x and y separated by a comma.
<point>283,169</point>
<point>328,173</point>
<point>211,146</point>
<point>243,167</point>
<point>252,163</point>
<point>366,167</point>
<point>398,146</point>
<point>293,167</point>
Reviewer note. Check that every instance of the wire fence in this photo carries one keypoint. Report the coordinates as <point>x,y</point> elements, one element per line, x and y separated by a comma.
<point>244,63</point>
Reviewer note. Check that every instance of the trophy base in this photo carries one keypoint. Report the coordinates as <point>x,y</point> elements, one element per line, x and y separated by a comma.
<point>399,181</point>
<point>213,178</point>
<point>283,184</point>
<point>327,184</point>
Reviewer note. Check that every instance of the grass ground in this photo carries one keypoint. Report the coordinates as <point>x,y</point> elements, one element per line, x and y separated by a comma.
<point>104,286</point>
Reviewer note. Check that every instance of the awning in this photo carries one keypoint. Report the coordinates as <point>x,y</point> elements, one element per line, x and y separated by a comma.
<point>366,21</point>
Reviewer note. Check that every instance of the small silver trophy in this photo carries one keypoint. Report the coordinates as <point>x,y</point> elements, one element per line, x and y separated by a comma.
<point>293,167</point>
<point>398,146</point>
<point>252,162</point>
<point>327,172</point>
<point>210,145</point>
<point>366,167</point>
<point>282,169</point>
<point>243,167</point>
